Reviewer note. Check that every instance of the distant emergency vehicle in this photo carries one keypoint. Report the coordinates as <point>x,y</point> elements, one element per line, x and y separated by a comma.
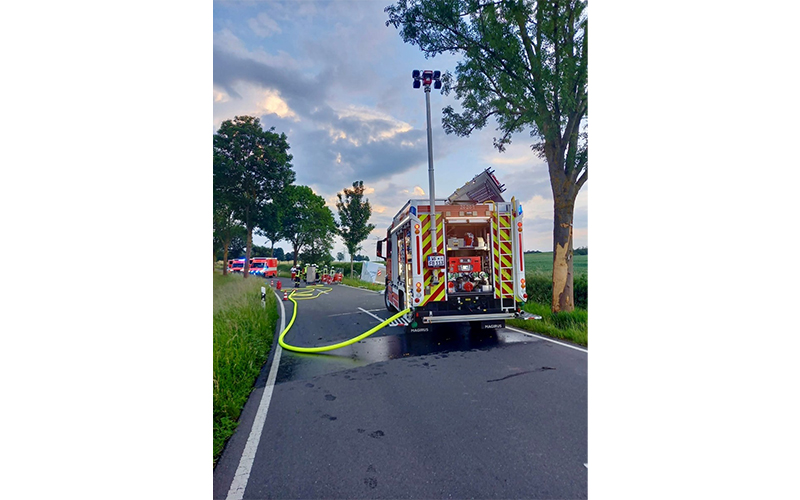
<point>236,265</point>
<point>264,266</point>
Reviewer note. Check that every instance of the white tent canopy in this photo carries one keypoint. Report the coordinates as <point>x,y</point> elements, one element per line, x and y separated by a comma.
<point>373,272</point>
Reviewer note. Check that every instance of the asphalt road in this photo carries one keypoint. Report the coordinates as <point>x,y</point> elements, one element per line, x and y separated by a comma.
<point>454,414</point>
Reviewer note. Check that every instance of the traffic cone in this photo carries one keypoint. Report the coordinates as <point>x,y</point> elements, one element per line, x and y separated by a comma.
<point>285,295</point>
<point>272,283</point>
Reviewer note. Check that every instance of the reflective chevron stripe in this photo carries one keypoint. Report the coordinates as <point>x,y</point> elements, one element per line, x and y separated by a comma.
<point>437,292</point>
<point>502,255</point>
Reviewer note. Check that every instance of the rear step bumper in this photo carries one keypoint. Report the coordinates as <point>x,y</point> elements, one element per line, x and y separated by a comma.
<point>466,317</point>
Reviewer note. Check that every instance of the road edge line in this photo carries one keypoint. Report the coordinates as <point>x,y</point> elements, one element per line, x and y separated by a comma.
<point>242,475</point>
<point>547,339</point>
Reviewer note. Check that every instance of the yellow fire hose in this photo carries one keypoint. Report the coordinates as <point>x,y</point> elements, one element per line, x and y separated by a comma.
<point>313,292</point>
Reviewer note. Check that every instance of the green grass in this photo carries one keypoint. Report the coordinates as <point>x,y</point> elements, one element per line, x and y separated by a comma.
<point>572,326</point>
<point>544,262</point>
<point>363,284</point>
<point>243,332</point>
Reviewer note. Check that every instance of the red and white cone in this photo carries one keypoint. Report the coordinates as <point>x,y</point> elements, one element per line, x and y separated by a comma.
<point>272,283</point>
<point>285,295</point>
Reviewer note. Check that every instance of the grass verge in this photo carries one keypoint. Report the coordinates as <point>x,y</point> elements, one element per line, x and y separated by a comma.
<point>363,284</point>
<point>571,326</point>
<point>243,332</point>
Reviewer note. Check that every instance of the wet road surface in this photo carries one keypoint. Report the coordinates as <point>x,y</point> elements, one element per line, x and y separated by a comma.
<point>455,414</point>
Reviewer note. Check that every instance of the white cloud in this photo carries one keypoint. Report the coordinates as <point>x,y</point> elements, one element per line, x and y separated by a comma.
<point>273,104</point>
<point>263,26</point>
<point>220,96</point>
<point>392,126</point>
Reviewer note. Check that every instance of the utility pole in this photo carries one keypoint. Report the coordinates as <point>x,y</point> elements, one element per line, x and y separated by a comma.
<point>425,79</point>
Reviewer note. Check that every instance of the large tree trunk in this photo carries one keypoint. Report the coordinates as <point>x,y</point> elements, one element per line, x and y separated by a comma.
<point>249,252</point>
<point>351,267</point>
<point>563,297</point>
<point>227,244</point>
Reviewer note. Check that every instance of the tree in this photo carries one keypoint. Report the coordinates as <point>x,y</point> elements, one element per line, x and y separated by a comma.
<point>318,249</point>
<point>306,217</point>
<point>225,227</point>
<point>361,258</point>
<point>525,64</point>
<point>238,243</point>
<point>339,256</point>
<point>251,166</point>
<point>259,251</point>
<point>269,221</point>
<point>353,218</point>
<point>278,253</point>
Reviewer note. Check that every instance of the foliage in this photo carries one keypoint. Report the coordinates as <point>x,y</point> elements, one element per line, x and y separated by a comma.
<point>539,287</point>
<point>581,251</point>
<point>307,220</point>
<point>339,255</point>
<point>238,242</point>
<point>278,253</point>
<point>225,227</point>
<point>251,167</point>
<point>259,251</point>
<point>356,267</point>
<point>318,250</point>
<point>526,65</point>
<point>270,219</point>
<point>361,258</point>
<point>243,332</point>
<point>354,214</point>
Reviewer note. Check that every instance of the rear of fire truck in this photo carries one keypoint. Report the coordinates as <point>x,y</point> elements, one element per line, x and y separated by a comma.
<point>474,273</point>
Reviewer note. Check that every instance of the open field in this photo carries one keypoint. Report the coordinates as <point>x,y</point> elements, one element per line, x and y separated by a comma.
<point>544,262</point>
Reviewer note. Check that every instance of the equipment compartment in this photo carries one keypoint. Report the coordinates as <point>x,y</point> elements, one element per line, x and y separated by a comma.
<point>469,268</point>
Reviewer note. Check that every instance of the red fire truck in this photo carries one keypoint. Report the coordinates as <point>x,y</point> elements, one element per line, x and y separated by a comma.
<point>474,273</point>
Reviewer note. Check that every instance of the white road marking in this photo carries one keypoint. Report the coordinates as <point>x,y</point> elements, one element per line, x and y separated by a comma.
<point>402,321</point>
<point>239,483</point>
<point>547,339</point>
<point>380,320</point>
<point>354,312</point>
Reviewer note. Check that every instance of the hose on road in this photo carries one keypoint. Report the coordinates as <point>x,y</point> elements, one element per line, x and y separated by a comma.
<point>313,292</point>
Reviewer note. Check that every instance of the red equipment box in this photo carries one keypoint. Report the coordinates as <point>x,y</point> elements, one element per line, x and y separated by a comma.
<point>464,264</point>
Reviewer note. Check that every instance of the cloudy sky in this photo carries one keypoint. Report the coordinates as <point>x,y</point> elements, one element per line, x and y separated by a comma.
<point>337,81</point>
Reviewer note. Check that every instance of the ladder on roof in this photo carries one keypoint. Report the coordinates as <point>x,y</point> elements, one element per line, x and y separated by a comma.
<point>502,255</point>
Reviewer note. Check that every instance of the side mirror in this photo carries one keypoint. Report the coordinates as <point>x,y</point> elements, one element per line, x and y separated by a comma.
<point>379,249</point>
